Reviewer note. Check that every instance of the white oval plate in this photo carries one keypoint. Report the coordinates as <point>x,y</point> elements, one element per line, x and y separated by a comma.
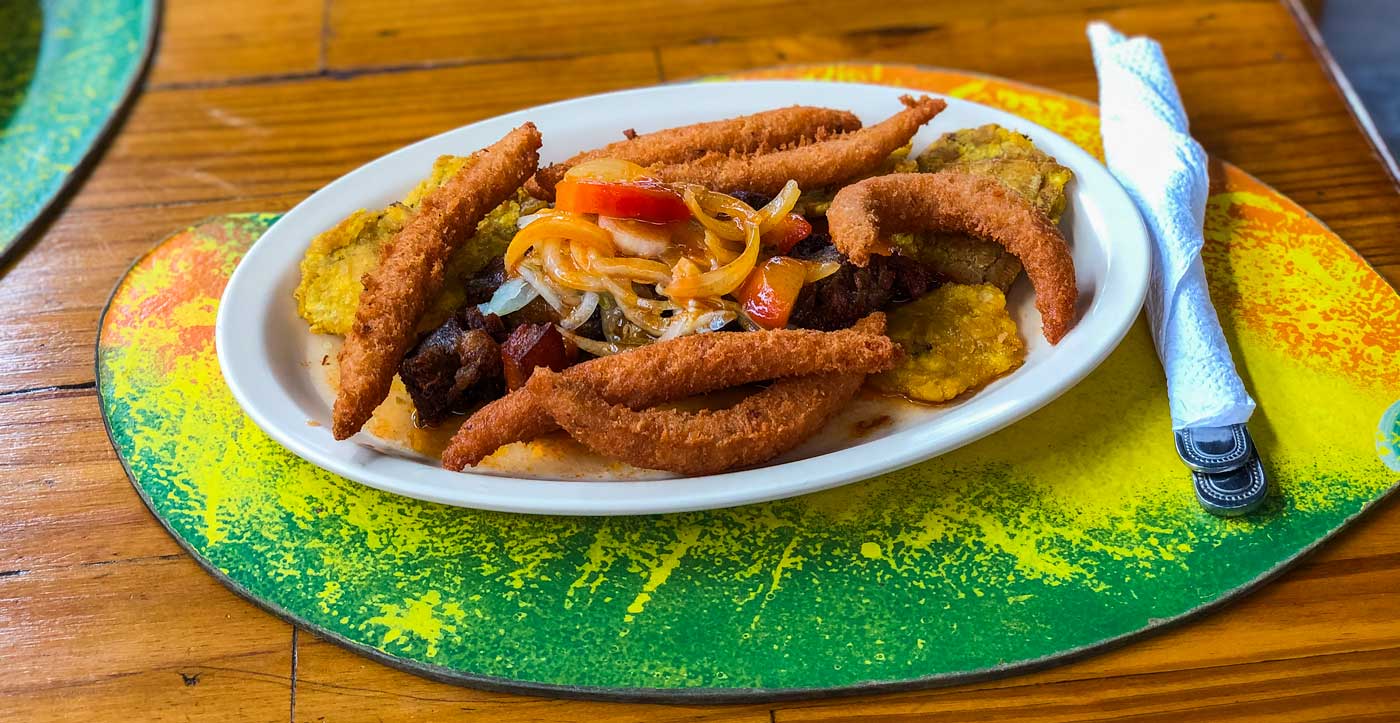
<point>261,341</point>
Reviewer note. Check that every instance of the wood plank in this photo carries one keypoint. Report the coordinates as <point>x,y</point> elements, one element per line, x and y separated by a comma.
<point>71,508</point>
<point>1198,34</point>
<point>201,144</point>
<point>119,641</point>
<point>213,41</point>
<point>1344,686</point>
<point>334,684</point>
<point>442,31</point>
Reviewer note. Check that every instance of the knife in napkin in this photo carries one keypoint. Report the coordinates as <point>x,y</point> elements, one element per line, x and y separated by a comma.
<point>1149,149</point>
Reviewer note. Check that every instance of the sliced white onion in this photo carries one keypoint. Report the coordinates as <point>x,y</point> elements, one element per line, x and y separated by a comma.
<point>511,296</point>
<point>582,312</point>
<point>528,219</point>
<point>778,208</point>
<point>681,324</point>
<point>540,284</point>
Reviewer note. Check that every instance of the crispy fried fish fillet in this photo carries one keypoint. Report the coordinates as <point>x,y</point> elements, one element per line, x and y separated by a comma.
<point>864,214</point>
<point>671,370</point>
<point>757,133</point>
<point>1009,157</point>
<point>755,430</point>
<point>410,272</point>
<point>815,165</point>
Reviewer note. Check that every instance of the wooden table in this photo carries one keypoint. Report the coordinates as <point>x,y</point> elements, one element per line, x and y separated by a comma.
<point>253,105</point>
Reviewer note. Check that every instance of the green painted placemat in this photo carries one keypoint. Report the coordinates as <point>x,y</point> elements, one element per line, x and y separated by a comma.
<point>1070,531</point>
<point>66,69</point>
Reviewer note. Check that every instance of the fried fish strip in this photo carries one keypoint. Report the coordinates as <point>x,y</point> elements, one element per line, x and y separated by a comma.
<point>755,430</point>
<point>864,214</point>
<point>410,272</point>
<point>766,131</point>
<point>815,165</point>
<point>671,370</point>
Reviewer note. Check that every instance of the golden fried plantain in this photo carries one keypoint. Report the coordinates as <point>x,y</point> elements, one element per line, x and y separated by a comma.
<point>955,338</point>
<point>337,259</point>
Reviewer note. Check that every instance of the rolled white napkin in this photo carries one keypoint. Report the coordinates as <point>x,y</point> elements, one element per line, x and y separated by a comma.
<point>1151,152</point>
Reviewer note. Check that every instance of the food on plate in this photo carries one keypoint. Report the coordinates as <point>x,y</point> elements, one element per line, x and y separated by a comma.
<point>956,338</point>
<point>330,285</point>
<point>757,133</point>
<point>676,369</point>
<point>852,292</point>
<point>1007,156</point>
<point>864,214</point>
<point>648,284</point>
<point>1010,157</point>
<point>756,429</point>
<point>458,363</point>
<point>411,270</point>
<point>835,160</point>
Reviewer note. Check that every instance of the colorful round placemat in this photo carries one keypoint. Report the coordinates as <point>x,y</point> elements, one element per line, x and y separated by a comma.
<point>66,69</point>
<point>1070,531</point>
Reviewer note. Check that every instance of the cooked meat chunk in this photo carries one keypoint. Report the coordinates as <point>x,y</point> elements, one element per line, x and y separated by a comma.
<point>480,287</point>
<point>538,311</point>
<point>534,345</point>
<point>845,297</point>
<point>912,279</point>
<point>755,200</point>
<point>458,364</point>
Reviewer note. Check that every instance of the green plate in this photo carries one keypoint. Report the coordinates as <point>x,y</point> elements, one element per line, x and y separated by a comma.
<point>1071,531</point>
<point>67,67</point>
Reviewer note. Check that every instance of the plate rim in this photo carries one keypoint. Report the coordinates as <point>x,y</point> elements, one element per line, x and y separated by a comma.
<point>803,476</point>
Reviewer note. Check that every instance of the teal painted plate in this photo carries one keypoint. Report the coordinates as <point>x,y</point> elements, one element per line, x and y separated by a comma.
<point>67,69</point>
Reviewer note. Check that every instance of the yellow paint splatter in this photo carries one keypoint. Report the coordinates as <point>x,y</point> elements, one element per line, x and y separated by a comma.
<point>419,618</point>
<point>685,539</point>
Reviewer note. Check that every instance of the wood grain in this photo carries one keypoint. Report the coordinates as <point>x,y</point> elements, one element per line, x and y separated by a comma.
<point>294,135</point>
<point>253,105</point>
<point>77,513</point>
<point>332,681</point>
<point>214,41</point>
<point>443,31</point>
<point>117,641</point>
<point>51,344</point>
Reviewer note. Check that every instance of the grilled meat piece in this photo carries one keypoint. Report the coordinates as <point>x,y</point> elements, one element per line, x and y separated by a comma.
<point>481,286</point>
<point>845,297</point>
<point>456,365</point>
<point>534,345</point>
<point>755,200</point>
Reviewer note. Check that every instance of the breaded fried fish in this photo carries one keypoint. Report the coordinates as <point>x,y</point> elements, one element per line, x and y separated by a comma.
<point>757,133</point>
<point>1010,157</point>
<point>815,165</point>
<point>758,428</point>
<point>411,268</point>
<point>863,216</point>
<point>675,369</point>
